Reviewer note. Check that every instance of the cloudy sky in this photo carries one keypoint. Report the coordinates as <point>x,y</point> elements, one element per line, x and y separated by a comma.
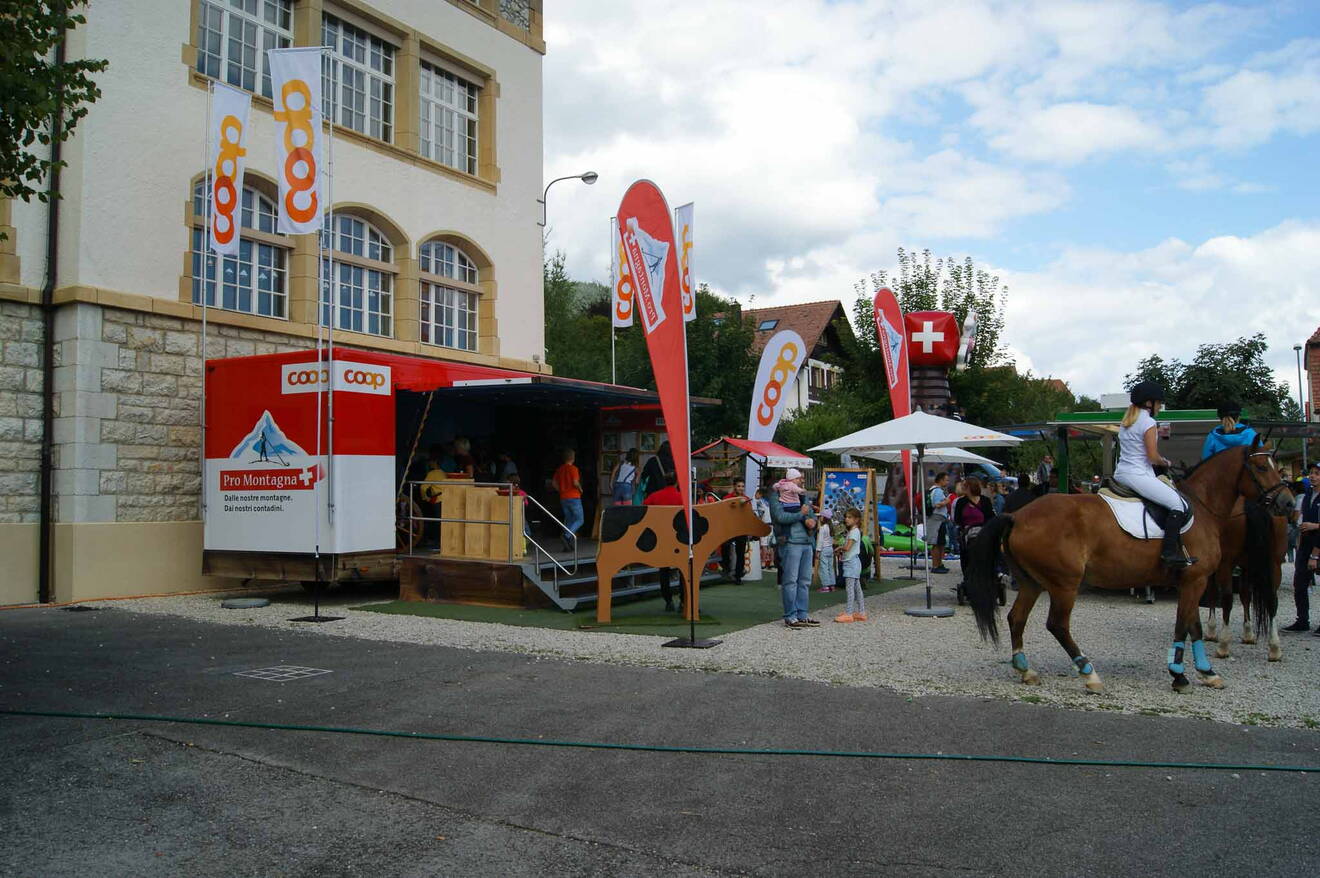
<point>1144,176</point>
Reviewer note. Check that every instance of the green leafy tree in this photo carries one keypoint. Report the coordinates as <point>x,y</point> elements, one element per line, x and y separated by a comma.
<point>720,363</point>
<point>33,86</point>
<point>1234,371</point>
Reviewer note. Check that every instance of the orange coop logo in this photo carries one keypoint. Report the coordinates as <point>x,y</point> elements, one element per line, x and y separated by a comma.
<point>368,379</point>
<point>299,160</point>
<point>781,373</point>
<point>307,376</point>
<point>623,288</point>
<point>224,190</point>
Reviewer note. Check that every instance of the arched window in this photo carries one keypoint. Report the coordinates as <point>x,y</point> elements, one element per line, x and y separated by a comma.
<point>256,281</point>
<point>449,296</point>
<point>360,283</point>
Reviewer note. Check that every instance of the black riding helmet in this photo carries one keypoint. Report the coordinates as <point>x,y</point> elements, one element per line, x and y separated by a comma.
<point>1147,391</point>
<point>1230,410</point>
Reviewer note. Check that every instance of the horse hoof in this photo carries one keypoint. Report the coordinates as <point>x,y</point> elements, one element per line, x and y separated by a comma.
<point>1249,641</point>
<point>1214,681</point>
<point>1276,654</point>
<point>1180,683</point>
<point>1094,686</point>
<point>1222,651</point>
<point>1031,678</point>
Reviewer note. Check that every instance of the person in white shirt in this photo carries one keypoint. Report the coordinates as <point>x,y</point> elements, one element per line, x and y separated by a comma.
<point>1138,455</point>
<point>851,552</point>
<point>825,552</point>
<point>624,478</point>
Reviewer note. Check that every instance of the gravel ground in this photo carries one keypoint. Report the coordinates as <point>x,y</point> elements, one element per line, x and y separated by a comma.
<point>1125,638</point>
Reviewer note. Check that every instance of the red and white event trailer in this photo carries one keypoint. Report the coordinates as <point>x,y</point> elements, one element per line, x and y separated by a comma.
<point>305,458</point>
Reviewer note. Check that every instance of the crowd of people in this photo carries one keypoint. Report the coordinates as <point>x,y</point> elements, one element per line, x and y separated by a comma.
<point>806,543</point>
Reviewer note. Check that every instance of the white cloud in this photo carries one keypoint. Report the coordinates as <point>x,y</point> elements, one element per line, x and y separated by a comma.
<point>1093,314</point>
<point>1281,95</point>
<point>1072,132</point>
<point>816,137</point>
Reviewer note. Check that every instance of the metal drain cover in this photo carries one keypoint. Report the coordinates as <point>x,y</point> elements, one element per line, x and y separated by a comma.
<point>282,673</point>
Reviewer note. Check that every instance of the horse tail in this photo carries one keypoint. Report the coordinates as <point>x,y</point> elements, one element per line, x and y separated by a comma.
<point>1258,556</point>
<point>980,574</point>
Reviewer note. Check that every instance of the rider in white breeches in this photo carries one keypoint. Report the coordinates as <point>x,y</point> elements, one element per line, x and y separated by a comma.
<point>1138,450</point>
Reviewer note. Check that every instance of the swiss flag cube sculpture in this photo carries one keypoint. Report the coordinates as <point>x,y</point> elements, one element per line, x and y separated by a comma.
<point>932,338</point>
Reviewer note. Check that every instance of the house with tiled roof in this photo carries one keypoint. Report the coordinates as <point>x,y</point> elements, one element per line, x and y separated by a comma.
<point>1311,363</point>
<point>820,324</point>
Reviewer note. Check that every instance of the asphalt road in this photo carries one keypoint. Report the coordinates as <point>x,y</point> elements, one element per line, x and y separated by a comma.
<point>98,798</point>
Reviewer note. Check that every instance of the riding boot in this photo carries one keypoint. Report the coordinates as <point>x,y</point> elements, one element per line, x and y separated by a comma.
<point>1171,555</point>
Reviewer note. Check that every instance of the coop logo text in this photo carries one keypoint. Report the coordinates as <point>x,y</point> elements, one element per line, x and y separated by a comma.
<point>781,373</point>
<point>349,377</point>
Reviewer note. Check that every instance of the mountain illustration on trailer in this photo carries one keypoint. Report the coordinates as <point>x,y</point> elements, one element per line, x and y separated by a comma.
<point>266,444</point>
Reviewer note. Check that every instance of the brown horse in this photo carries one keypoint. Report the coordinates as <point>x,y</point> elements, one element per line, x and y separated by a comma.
<point>1249,523</point>
<point>1062,541</point>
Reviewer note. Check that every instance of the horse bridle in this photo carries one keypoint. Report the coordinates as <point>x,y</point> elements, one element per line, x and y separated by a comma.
<point>1266,496</point>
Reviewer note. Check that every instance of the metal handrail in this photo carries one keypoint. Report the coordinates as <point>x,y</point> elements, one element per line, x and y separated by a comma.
<point>564,529</point>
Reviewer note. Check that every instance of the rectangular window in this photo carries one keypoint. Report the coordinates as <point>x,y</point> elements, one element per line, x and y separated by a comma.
<point>448,317</point>
<point>233,36</point>
<point>449,118</point>
<point>358,79</point>
<point>364,298</point>
<point>253,282</point>
<point>767,325</point>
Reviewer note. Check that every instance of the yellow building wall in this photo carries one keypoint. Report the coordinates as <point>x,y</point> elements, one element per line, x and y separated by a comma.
<point>18,563</point>
<point>121,559</point>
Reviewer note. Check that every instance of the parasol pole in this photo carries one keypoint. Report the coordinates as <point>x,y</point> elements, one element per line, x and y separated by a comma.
<point>928,610</point>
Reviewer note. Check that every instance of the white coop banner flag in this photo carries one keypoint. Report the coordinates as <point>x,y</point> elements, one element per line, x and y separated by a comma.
<point>683,232</point>
<point>296,80</point>
<point>621,299</point>
<point>227,154</point>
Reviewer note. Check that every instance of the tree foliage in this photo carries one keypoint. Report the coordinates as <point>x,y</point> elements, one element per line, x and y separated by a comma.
<point>33,87</point>
<point>720,362</point>
<point>1235,371</point>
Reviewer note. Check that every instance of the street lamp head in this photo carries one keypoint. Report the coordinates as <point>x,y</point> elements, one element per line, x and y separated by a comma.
<point>590,177</point>
<point>1297,347</point>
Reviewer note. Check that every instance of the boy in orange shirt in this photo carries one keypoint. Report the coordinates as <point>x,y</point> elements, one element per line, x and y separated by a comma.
<point>568,482</point>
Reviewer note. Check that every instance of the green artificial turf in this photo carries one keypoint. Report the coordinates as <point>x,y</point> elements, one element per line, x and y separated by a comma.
<point>725,607</point>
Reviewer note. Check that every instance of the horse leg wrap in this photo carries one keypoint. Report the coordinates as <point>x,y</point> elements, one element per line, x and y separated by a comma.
<point>1199,657</point>
<point>1083,666</point>
<point>1020,662</point>
<point>1176,659</point>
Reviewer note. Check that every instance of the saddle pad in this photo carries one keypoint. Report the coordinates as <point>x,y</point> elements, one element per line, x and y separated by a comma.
<point>1132,516</point>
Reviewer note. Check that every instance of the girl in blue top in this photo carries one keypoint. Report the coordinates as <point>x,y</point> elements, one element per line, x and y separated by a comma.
<point>1230,433</point>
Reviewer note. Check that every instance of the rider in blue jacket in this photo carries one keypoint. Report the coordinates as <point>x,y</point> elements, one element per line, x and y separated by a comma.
<point>1230,433</point>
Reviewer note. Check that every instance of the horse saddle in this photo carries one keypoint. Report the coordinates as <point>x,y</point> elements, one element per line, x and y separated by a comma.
<point>1137,516</point>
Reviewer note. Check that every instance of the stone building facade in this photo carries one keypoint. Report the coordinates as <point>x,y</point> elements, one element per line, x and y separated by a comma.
<point>457,227</point>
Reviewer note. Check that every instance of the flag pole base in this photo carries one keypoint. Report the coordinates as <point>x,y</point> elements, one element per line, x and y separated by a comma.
<point>691,643</point>
<point>929,612</point>
<point>317,619</point>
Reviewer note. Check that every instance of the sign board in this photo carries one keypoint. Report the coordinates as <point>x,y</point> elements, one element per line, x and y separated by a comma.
<point>270,478</point>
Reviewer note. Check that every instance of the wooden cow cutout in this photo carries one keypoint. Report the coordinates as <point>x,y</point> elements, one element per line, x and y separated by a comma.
<point>656,536</point>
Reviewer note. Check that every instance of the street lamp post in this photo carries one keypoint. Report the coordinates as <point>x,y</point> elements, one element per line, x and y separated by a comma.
<point>1301,400</point>
<point>587,177</point>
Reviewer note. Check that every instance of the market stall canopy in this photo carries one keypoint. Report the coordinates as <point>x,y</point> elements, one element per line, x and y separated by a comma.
<point>932,455</point>
<point>916,430</point>
<point>769,453</point>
